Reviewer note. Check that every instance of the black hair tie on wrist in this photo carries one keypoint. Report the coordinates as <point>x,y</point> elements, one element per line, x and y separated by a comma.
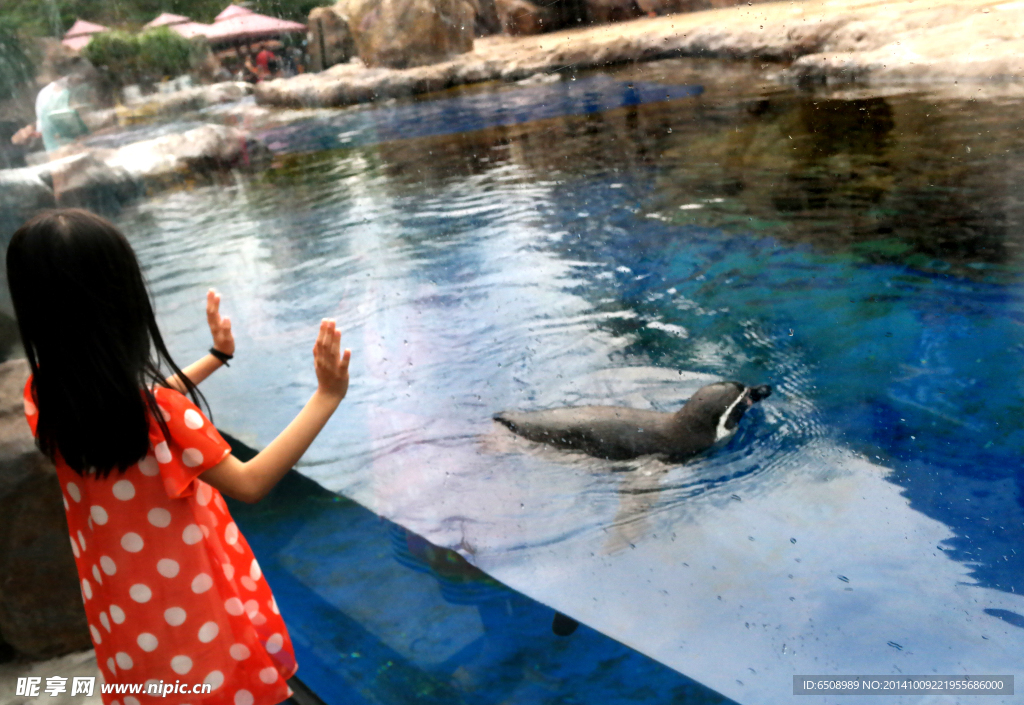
<point>222,356</point>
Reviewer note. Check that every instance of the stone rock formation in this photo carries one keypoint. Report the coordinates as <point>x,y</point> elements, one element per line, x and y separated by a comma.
<point>41,611</point>
<point>520,17</point>
<point>605,11</point>
<point>406,33</point>
<point>83,181</point>
<point>330,38</point>
<point>203,150</point>
<point>487,20</point>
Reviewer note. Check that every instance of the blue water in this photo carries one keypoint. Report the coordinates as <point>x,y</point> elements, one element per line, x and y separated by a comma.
<point>603,244</point>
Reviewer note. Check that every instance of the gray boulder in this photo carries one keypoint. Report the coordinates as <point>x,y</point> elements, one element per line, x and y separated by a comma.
<point>330,38</point>
<point>605,11</point>
<point>406,33</point>
<point>41,612</point>
<point>84,181</point>
<point>22,193</point>
<point>522,17</point>
<point>200,151</point>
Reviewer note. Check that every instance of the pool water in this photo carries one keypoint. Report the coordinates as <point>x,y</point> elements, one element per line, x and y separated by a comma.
<point>602,243</point>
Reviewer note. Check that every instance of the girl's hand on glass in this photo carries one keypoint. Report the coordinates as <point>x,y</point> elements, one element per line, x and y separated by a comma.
<point>220,327</point>
<point>331,364</point>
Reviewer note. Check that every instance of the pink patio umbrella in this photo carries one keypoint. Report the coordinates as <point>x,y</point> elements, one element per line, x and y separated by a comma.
<point>165,19</point>
<point>239,24</point>
<point>180,24</point>
<point>80,34</point>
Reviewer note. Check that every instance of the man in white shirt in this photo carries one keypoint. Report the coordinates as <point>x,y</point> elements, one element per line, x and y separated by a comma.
<point>56,121</point>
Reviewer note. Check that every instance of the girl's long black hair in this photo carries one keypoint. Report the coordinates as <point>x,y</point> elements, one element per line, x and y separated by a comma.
<point>91,339</point>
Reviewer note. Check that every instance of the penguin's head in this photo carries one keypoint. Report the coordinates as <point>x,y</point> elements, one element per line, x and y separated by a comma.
<point>718,408</point>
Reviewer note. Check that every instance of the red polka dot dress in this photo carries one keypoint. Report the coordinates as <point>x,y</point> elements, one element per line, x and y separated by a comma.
<point>172,590</point>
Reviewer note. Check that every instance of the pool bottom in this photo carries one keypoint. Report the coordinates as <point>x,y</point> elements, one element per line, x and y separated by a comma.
<point>378,615</point>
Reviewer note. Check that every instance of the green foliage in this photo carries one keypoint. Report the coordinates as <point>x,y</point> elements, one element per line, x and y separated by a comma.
<point>15,63</point>
<point>116,53</point>
<point>163,52</point>
<point>151,56</point>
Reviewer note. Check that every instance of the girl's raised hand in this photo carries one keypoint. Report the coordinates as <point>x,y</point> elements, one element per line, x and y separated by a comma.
<point>331,364</point>
<point>220,328</point>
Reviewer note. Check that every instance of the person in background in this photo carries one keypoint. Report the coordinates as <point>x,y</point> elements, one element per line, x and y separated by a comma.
<point>266,63</point>
<point>57,122</point>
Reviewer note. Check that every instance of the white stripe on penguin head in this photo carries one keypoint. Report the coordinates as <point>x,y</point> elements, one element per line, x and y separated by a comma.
<point>722,432</point>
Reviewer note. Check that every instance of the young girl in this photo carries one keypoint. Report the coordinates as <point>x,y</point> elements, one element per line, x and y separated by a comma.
<point>172,591</point>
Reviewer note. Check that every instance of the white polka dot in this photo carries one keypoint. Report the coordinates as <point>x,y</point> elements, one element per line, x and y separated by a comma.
<point>273,606</point>
<point>124,661</point>
<point>164,412</point>
<point>96,637</point>
<point>259,619</point>
<point>151,684</point>
<point>110,666</point>
<point>98,514</point>
<point>192,457</point>
<point>181,665</point>
<point>129,700</point>
<point>239,652</point>
<point>108,565</point>
<point>124,490</point>
<point>251,607</point>
<point>81,540</point>
<point>162,452</point>
<point>204,493</point>
<point>214,679</point>
<point>147,642</point>
<point>275,643</point>
<point>218,501</point>
<point>131,542</point>
<point>74,492</point>
<point>208,632</point>
<point>229,571</point>
<point>268,675</point>
<point>67,507</point>
<point>88,523</point>
<point>192,535</point>
<point>31,410</point>
<point>206,531</point>
<point>86,589</point>
<point>248,583</point>
<point>201,583</point>
<point>167,567</point>
<point>231,534</point>
<point>193,419</point>
<point>254,570</point>
<point>175,616</point>
<point>159,517</point>
<point>243,697</point>
<point>117,614</point>
<point>96,574</point>
<point>74,548</point>
<point>148,466</point>
<point>234,606</point>
<point>140,592</point>
<point>105,621</point>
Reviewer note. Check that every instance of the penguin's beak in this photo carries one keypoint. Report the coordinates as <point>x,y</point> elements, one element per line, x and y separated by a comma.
<point>759,393</point>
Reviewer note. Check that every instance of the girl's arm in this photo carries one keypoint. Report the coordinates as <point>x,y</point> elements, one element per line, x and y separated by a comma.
<point>250,481</point>
<point>223,340</point>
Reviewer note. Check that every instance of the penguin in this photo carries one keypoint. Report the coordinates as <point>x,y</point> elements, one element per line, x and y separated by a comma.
<point>620,433</point>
